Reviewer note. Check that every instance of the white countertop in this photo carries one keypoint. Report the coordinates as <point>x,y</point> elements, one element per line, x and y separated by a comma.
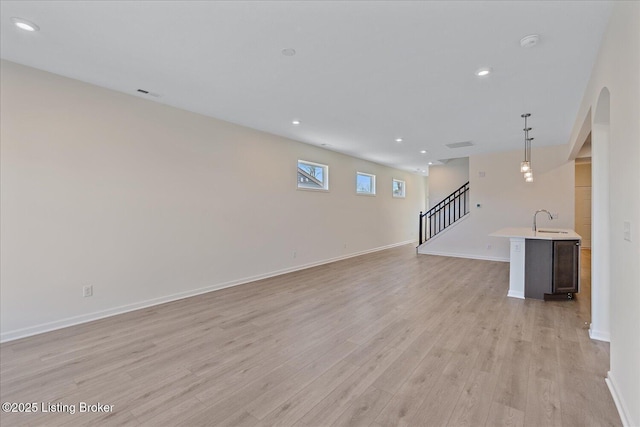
<point>528,233</point>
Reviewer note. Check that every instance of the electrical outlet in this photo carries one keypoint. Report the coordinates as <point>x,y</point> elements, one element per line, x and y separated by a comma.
<point>87,291</point>
<point>488,247</point>
<point>295,254</point>
<point>516,247</point>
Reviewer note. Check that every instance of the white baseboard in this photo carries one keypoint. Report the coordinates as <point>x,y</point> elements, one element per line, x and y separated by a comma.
<point>89,317</point>
<point>619,401</point>
<point>594,334</point>
<point>460,255</point>
<point>515,294</point>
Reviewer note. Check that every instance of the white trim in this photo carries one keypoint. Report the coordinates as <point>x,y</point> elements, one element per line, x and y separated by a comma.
<point>515,294</point>
<point>89,317</point>
<point>373,184</point>
<point>325,176</point>
<point>458,255</point>
<point>618,400</point>
<point>598,335</point>
<point>404,188</point>
<point>321,190</point>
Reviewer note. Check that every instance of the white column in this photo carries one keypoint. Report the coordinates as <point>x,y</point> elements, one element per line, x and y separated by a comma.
<point>600,233</point>
<point>516,268</point>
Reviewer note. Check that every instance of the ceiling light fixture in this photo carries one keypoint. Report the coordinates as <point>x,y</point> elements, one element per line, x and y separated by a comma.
<point>430,163</point>
<point>525,165</point>
<point>483,72</point>
<point>423,151</point>
<point>529,41</point>
<point>288,51</point>
<point>399,139</point>
<point>23,24</point>
<point>295,122</point>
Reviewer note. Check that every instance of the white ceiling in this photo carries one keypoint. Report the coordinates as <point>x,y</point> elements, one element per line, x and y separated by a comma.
<point>365,72</point>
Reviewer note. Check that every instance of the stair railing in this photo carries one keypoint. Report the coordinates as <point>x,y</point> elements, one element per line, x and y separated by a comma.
<point>444,214</point>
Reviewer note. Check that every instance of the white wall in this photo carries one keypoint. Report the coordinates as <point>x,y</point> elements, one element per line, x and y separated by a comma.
<point>445,179</point>
<point>617,70</point>
<point>148,203</point>
<point>507,201</point>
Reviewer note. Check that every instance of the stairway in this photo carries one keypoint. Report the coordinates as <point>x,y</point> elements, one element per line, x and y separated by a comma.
<point>448,212</point>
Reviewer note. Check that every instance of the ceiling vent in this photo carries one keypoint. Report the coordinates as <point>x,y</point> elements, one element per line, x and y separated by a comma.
<point>460,144</point>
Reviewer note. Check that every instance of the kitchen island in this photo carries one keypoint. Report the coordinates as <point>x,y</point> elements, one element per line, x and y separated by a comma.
<point>550,268</point>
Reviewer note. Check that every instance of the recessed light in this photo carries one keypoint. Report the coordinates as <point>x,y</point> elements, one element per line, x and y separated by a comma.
<point>430,163</point>
<point>288,51</point>
<point>423,151</point>
<point>23,24</point>
<point>529,41</point>
<point>422,170</point>
<point>483,72</point>
<point>399,140</point>
<point>295,122</point>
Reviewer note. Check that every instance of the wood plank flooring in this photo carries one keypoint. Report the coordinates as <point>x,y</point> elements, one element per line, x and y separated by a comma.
<point>386,339</point>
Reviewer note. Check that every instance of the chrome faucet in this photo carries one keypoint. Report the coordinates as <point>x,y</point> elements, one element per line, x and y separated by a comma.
<point>535,227</point>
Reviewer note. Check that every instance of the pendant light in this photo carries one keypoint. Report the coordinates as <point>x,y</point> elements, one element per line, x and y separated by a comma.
<point>525,165</point>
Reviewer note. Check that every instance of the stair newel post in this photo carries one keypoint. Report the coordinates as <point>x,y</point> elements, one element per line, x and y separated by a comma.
<point>420,239</point>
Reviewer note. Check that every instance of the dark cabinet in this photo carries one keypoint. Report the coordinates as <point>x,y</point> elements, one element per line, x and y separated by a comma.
<point>566,266</point>
<point>552,268</point>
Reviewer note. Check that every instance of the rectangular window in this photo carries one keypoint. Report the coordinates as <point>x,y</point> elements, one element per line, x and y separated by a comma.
<point>365,183</point>
<point>313,176</point>
<point>398,188</point>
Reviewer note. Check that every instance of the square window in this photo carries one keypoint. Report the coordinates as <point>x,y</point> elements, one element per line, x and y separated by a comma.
<point>365,183</point>
<point>398,188</point>
<point>313,176</point>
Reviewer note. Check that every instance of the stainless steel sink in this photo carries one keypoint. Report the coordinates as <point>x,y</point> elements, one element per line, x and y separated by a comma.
<point>552,231</point>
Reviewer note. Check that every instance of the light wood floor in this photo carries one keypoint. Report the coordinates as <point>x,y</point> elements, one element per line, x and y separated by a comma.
<point>385,339</point>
